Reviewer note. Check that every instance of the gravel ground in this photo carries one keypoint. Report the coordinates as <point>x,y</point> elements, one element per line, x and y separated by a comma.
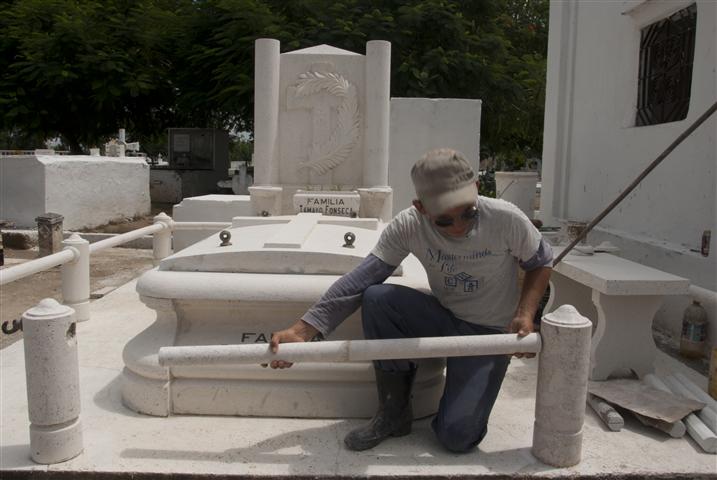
<point>109,268</point>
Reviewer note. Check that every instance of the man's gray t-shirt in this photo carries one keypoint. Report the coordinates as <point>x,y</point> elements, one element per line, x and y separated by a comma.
<point>475,277</point>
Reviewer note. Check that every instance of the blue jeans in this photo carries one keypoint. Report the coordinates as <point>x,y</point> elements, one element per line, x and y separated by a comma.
<point>472,383</point>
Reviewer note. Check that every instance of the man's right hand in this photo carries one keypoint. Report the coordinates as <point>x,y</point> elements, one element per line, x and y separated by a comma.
<point>298,332</point>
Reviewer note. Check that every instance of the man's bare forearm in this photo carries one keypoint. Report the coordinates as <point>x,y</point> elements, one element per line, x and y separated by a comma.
<point>534,285</point>
<point>304,330</point>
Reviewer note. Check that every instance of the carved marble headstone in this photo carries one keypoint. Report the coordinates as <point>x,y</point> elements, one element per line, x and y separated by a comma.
<point>321,121</point>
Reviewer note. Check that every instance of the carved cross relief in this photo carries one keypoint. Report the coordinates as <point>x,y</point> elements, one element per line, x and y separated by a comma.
<point>320,105</point>
<point>320,90</point>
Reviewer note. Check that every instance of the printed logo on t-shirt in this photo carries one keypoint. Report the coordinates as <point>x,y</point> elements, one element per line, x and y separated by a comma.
<point>463,279</point>
<point>446,262</point>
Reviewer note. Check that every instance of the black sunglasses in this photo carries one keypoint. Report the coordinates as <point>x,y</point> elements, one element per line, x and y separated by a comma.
<point>445,221</point>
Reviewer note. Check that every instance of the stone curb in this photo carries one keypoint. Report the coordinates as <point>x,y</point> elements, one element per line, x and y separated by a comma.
<point>89,475</point>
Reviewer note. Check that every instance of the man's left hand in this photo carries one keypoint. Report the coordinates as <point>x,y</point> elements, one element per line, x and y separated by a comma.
<point>522,326</point>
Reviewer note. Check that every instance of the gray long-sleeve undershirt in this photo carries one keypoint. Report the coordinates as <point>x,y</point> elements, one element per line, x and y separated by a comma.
<point>344,297</point>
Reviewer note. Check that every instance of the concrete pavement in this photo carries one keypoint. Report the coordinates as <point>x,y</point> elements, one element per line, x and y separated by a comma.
<point>119,442</point>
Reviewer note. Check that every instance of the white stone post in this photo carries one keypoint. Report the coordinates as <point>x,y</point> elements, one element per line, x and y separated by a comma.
<point>266,201</point>
<point>49,233</point>
<point>162,240</point>
<point>378,113</point>
<point>53,384</point>
<point>376,202</point>
<point>266,111</point>
<point>563,369</point>
<point>76,278</point>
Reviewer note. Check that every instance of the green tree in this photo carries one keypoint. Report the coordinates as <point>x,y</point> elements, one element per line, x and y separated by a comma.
<point>493,49</point>
<point>518,135</point>
<point>82,69</point>
<point>213,72</point>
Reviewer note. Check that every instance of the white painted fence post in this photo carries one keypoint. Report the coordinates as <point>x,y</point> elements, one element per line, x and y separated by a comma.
<point>162,240</point>
<point>76,278</point>
<point>53,385</point>
<point>563,370</point>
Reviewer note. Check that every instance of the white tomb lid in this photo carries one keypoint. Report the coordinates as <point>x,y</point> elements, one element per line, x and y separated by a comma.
<point>307,243</point>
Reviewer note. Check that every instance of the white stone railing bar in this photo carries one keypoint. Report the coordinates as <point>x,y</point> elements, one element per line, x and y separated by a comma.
<point>26,269</point>
<point>351,350</point>
<point>563,345</point>
<point>161,231</point>
<point>75,262</point>
<point>127,237</point>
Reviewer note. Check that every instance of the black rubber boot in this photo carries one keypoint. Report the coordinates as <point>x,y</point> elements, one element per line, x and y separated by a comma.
<point>394,415</point>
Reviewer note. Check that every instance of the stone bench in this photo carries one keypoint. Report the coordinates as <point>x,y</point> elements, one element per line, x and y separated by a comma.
<point>621,297</point>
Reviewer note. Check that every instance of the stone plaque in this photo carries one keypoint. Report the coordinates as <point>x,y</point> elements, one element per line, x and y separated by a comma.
<point>342,204</point>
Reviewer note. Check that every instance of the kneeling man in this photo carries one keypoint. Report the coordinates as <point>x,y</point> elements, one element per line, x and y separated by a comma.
<point>471,247</point>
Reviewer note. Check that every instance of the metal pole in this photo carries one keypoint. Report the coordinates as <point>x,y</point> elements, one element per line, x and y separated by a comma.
<point>637,181</point>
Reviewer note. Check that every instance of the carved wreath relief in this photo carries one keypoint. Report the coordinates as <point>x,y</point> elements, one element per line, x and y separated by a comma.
<point>324,157</point>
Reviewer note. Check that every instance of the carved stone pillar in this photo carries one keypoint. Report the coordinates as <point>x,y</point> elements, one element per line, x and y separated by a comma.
<point>49,233</point>
<point>378,113</point>
<point>266,111</point>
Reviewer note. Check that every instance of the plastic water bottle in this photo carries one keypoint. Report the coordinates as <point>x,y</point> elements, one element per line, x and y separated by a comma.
<point>694,331</point>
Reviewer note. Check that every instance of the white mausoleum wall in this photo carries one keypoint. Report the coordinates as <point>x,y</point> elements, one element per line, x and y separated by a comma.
<point>593,150</point>
<point>87,191</point>
<point>422,124</point>
<point>22,189</point>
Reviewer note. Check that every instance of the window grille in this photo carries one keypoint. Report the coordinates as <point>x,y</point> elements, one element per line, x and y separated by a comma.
<point>667,50</point>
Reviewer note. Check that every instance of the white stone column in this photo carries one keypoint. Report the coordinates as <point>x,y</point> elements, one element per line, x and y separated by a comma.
<point>266,111</point>
<point>378,113</point>
<point>162,241</point>
<point>76,278</point>
<point>266,201</point>
<point>559,102</point>
<point>376,202</point>
<point>562,387</point>
<point>53,385</point>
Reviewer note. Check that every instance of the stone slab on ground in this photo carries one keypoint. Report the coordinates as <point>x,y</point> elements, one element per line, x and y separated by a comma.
<point>119,442</point>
